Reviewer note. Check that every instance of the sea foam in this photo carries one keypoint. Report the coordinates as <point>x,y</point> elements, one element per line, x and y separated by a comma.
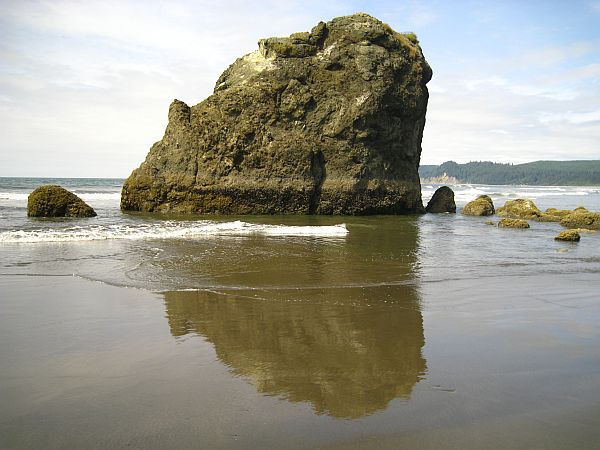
<point>168,230</point>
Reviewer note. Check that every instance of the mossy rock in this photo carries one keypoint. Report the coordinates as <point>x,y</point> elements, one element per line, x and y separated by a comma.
<point>553,215</point>
<point>55,201</point>
<point>582,219</point>
<point>513,223</point>
<point>442,201</point>
<point>568,235</point>
<point>520,208</point>
<point>481,206</point>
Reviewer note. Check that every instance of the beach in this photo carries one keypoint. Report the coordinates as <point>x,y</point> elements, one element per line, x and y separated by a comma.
<point>432,331</point>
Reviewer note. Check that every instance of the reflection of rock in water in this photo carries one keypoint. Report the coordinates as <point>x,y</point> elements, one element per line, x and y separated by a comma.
<point>331,349</point>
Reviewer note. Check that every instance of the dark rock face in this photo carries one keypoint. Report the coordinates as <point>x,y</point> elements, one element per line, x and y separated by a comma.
<point>55,201</point>
<point>326,122</point>
<point>442,201</point>
<point>481,206</point>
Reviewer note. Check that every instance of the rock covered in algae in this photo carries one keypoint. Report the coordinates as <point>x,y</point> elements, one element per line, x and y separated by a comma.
<point>442,201</point>
<point>481,206</point>
<point>513,223</point>
<point>326,122</point>
<point>582,218</point>
<point>553,215</point>
<point>520,208</point>
<point>568,235</point>
<point>55,201</point>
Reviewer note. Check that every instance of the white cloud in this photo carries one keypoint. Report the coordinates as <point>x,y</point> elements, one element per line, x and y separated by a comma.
<point>550,56</point>
<point>571,117</point>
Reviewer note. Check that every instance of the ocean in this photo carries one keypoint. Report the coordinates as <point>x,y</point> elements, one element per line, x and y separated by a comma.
<point>428,331</point>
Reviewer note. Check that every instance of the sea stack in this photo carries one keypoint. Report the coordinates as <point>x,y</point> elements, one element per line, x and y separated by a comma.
<point>322,122</point>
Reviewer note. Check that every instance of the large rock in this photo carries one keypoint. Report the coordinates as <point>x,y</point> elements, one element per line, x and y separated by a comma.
<point>326,122</point>
<point>481,206</point>
<point>55,201</point>
<point>520,208</point>
<point>442,201</point>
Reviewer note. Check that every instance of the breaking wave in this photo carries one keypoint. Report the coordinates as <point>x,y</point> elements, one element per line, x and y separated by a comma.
<point>168,230</point>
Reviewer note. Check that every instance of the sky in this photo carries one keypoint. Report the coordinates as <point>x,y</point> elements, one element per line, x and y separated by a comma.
<point>85,86</point>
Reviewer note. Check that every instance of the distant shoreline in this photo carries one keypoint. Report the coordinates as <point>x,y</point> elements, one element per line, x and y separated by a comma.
<point>537,173</point>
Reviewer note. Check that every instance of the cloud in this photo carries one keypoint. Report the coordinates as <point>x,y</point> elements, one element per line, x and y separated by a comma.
<point>551,56</point>
<point>571,117</point>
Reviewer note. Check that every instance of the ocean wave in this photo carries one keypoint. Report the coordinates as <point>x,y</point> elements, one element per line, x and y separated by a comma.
<point>13,196</point>
<point>99,195</point>
<point>168,230</point>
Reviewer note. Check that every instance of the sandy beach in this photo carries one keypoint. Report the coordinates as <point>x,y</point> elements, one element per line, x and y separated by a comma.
<point>88,365</point>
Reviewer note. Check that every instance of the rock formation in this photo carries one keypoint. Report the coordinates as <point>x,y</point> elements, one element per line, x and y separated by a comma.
<point>442,201</point>
<point>481,206</point>
<point>323,122</point>
<point>55,201</point>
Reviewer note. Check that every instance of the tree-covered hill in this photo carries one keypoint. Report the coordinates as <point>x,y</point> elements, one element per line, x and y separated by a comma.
<point>549,173</point>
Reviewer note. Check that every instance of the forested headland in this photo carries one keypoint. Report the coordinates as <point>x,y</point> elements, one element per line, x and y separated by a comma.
<point>541,173</point>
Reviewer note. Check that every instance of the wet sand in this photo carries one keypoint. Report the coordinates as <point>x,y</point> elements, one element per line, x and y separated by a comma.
<point>494,362</point>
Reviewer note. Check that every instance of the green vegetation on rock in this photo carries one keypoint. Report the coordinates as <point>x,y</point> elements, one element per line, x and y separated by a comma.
<point>582,219</point>
<point>513,223</point>
<point>322,122</point>
<point>520,208</point>
<point>481,206</point>
<point>55,201</point>
<point>568,235</point>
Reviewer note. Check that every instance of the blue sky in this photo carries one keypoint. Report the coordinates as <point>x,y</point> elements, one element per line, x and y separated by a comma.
<point>85,86</point>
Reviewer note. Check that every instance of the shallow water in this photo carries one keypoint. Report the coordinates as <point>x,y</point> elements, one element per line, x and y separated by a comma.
<point>434,331</point>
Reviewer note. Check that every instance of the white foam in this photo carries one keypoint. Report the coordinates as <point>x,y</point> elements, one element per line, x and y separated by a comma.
<point>13,196</point>
<point>100,196</point>
<point>464,193</point>
<point>168,230</point>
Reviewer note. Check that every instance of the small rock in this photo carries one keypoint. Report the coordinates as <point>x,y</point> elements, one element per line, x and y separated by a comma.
<point>442,201</point>
<point>513,223</point>
<point>568,235</point>
<point>490,222</point>
<point>55,201</point>
<point>481,206</point>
